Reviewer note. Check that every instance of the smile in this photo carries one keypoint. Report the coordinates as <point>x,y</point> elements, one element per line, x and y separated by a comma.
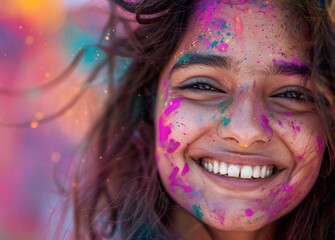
<point>236,171</point>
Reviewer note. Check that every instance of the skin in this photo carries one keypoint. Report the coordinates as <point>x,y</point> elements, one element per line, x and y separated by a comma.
<point>246,115</point>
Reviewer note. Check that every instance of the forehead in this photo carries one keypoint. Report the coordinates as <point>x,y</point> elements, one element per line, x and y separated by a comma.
<point>253,30</point>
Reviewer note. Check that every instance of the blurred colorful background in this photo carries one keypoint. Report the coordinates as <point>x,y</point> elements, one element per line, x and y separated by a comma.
<point>38,40</point>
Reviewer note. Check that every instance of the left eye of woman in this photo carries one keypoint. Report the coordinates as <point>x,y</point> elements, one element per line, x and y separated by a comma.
<point>297,94</point>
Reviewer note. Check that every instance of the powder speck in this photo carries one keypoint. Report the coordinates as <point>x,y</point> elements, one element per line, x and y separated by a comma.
<point>288,188</point>
<point>197,211</point>
<point>226,121</point>
<point>249,212</point>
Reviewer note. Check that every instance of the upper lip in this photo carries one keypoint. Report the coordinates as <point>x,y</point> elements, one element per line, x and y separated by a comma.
<point>250,159</point>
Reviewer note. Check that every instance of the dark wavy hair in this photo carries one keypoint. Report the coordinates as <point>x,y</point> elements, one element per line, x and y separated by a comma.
<point>120,196</point>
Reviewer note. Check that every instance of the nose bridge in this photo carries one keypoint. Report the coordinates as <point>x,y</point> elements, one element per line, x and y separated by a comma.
<point>248,122</point>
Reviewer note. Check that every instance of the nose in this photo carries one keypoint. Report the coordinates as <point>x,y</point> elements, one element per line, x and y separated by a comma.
<point>245,123</point>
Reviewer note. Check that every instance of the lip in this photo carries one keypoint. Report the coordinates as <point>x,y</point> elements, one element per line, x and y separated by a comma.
<point>235,158</point>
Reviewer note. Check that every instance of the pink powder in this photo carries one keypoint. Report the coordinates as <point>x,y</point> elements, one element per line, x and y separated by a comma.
<point>185,169</point>
<point>173,145</point>
<point>164,128</point>
<point>222,47</point>
<point>265,120</point>
<point>175,183</point>
<point>288,114</point>
<point>288,188</point>
<point>280,123</point>
<point>249,212</point>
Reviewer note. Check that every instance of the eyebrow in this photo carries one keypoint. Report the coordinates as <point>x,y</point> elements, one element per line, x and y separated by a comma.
<point>278,67</point>
<point>190,59</point>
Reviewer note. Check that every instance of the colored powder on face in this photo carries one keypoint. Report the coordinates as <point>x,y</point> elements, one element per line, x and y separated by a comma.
<point>214,44</point>
<point>164,128</point>
<point>184,59</point>
<point>197,211</point>
<point>164,131</point>
<point>299,158</point>
<point>271,6</point>
<point>226,121</point>
<point>173,145</point>
<point>297,128</point>
<point>295,62</point>
<point>249,212</point>
<point>185,169</point>
<point>280,123</point>
<point>222,105</point>
<point>174,173</point>
<point>213,117</point>
<point>288,188</point>
<point>222,47</point>
<point>254,85</point>
<point>272,115</point>
<point>265,125</point>
<point>265,120</point>
<point>238,26</point>
<point>175,183</point>
<point>288,114</point>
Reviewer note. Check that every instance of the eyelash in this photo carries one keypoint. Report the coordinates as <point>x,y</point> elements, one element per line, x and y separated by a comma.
<point>199,86</point>
<point>295,94</point>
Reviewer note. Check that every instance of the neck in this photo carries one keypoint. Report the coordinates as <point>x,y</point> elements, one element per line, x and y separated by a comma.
<point>189,227</point>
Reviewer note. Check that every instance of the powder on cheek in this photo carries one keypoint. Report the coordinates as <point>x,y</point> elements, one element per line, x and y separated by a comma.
<point>249,212</point>
<point>196,210</point>
<point>163,125</point>
<point>175,181</point>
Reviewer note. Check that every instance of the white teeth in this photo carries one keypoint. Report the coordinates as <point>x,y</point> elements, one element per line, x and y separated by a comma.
<point>233,170</point>
<point>223,168</point>
<point>263,172</point>
<point>205,164</point>
<point>268,172</point>
<point>246,172</point>
<point>210,167</point>
<point>256,172</point>
<point>215,167</point>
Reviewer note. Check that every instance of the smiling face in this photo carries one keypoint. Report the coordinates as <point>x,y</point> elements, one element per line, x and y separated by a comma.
<point>238,142</point>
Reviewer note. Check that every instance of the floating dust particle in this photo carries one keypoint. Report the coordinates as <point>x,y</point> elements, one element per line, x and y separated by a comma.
<point>39,116</point>
<point>47,74</point>
<point>29,40</point>
<point>55,156</point>
<point>74,184</point>
<point>34,124</point>
<point>105,91</point>
<point>107,38</point>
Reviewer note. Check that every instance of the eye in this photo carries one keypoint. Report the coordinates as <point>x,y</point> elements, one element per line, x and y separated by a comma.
<point>200,85</point>
<point>296,94</point>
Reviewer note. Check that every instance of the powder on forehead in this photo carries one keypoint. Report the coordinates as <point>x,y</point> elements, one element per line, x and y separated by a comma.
<point>219,26</point>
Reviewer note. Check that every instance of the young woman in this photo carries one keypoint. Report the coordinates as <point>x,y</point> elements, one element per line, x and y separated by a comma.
<point>222,127</point>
